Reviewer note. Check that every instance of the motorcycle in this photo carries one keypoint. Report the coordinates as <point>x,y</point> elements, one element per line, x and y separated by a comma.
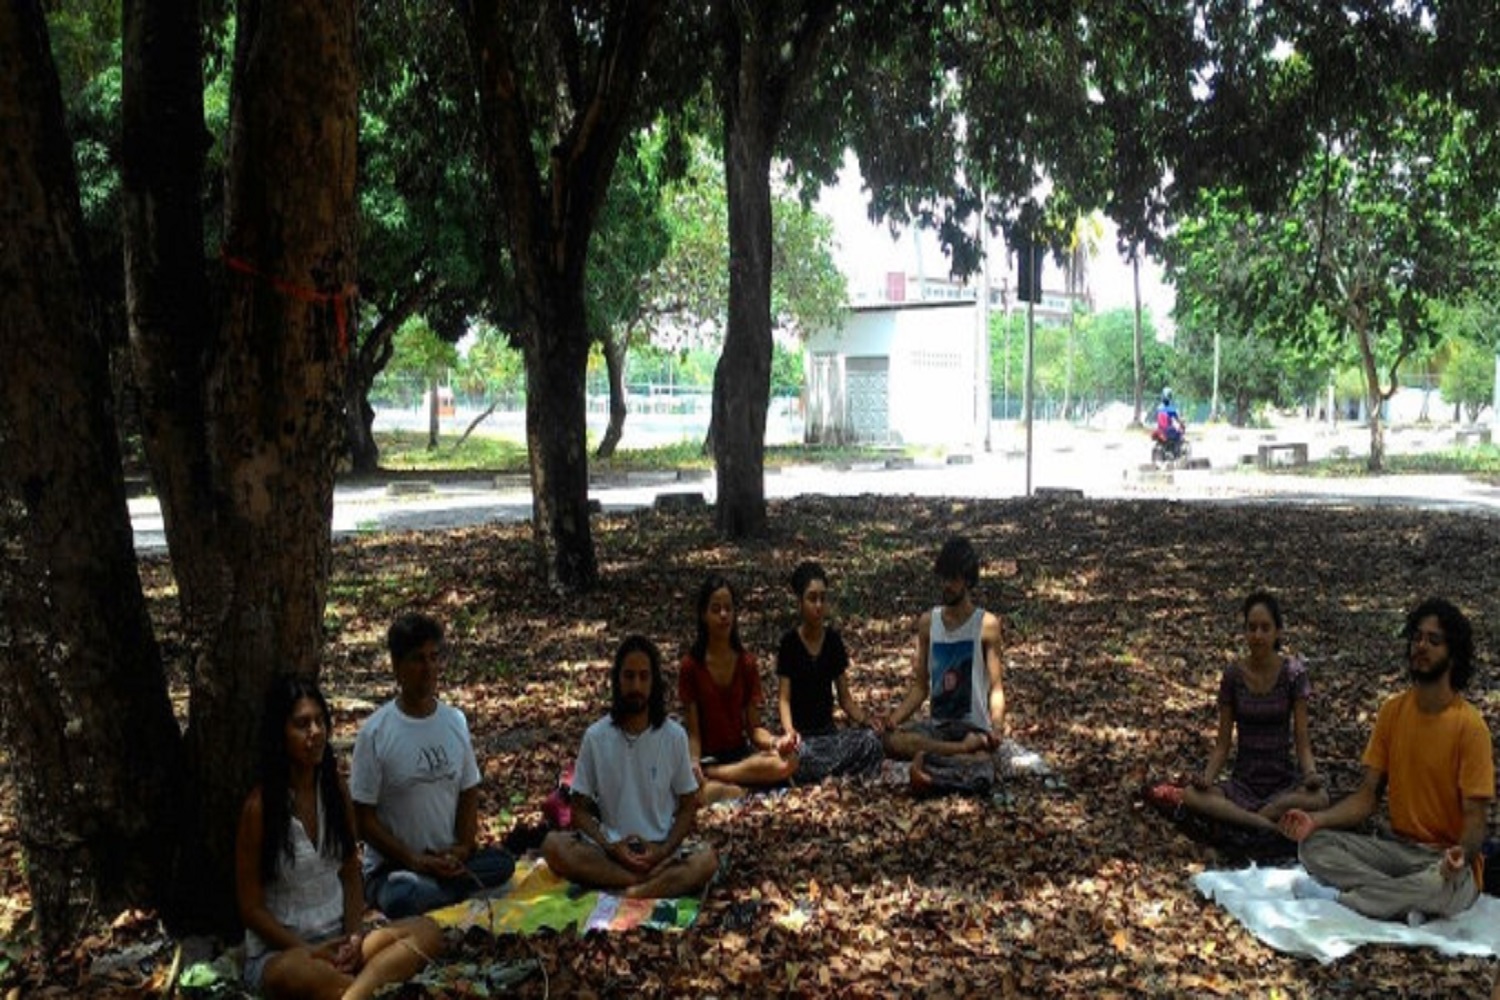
<point>1166,447</point>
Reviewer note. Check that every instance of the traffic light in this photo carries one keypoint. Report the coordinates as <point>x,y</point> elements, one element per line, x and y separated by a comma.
<point>1029,271</point>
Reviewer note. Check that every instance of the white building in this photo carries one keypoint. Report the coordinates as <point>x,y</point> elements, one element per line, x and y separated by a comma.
<point>897,373</point>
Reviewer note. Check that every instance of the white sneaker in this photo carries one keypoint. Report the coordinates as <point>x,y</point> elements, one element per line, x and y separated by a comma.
<point>1307,887</point>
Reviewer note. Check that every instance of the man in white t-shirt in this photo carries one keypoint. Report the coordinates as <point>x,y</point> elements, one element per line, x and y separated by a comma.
<point>415,786</point>
<point>634,794</point>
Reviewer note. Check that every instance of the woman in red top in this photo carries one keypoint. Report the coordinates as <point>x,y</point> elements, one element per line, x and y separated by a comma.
<point>719,684</point>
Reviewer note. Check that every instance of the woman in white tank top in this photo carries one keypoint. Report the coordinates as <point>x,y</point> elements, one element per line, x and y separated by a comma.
<point>297,868</point>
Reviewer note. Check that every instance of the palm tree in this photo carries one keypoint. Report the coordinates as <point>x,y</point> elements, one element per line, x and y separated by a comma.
<point>1083,247</point>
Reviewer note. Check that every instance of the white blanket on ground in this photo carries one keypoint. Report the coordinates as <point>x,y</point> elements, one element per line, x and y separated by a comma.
<point>1262,900</point>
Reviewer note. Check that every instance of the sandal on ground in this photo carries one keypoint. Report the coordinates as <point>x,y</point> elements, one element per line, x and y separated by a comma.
<point>1164,797</point>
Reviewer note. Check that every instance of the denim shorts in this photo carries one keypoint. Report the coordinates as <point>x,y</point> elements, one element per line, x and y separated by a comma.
<point>255,968</point>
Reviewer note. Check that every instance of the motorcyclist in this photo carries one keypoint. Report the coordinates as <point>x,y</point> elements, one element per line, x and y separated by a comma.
<point>1169,426</point>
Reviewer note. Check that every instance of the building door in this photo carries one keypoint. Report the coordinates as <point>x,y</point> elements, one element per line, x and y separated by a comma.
<point>868,381</point>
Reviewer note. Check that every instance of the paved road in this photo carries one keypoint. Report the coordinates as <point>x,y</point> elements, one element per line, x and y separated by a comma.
<point>1096,464</point>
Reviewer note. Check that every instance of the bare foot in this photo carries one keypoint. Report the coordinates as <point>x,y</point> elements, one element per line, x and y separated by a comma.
<point>921,781</point>
<point>975,742</point>
<point>720,791</point>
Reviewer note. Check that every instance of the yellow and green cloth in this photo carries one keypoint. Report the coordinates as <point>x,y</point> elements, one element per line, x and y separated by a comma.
<point>536,899</point>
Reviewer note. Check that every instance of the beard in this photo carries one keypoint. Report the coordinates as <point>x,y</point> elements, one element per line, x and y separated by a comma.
<point>1431,676</point>
<point>952,598</point>
<point>633,704</point>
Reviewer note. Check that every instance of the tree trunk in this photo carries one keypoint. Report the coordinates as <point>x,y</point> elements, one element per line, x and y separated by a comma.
<point>92,744</point>
<point>742,378</point>
<point>1373,393</point>
<point>557,440</point>
<point>359,427</point>
<point>614,362</point>
<point>764,66</point>
<point>433,425</point>
<point>550,219</point>
<point>1140,355</point>
<point>485,415</point>
<point>367,362</point>
<point>1067,407</point>
<point>245,414</point>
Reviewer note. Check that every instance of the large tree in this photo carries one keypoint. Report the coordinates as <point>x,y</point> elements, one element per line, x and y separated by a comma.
<point>425,237</point>
<point>241,404</point>
<point>558,92</point>
<point>88,728</point>
<point>631,241</point>
<point>1354,260</point>
<point>769,52</point>
<point>953,110</point>
<point>1218,259</point>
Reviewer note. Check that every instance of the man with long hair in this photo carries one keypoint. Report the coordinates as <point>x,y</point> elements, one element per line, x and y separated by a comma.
<point>634,798</point>
<point>1431,751</point>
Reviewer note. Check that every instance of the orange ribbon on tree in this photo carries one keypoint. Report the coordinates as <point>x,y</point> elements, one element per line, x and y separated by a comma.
<point>339,300</point>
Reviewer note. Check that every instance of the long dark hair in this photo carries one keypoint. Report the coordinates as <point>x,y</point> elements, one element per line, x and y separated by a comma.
<point>336,838</point>
<point>656,705</point>
<point>1457,634</point>
<point>715,582</point>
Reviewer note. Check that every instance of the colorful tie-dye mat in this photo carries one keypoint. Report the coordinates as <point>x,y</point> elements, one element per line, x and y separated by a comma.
<point>535,899</point>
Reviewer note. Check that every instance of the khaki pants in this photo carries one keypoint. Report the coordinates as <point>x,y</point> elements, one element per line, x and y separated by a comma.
<point>1386,878</point>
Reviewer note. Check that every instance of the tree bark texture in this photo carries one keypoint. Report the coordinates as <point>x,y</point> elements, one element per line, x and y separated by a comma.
<point>769,51</point>
<point>171,322</point>
<point>742,378</point>
<point>550,217</point>
<point>247,406</point>
<point>557,443</point>
<point>93,747</point>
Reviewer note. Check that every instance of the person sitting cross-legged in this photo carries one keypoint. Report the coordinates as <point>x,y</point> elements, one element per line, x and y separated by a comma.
<point>297,869</point>
<point>415,782</point>
<point>634,795</point>
<point>1263,697</point>
<point>812,669</point>
<point>719,684</point>
<point>958,667</point>
<point>1431,750</point>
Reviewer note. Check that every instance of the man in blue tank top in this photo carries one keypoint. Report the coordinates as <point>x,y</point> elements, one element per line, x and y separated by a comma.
<point>959,670</point>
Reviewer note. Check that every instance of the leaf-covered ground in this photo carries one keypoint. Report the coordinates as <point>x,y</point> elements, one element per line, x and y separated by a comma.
<point>1119,617</point>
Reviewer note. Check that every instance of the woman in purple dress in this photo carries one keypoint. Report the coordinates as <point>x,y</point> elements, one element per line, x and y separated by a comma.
<point>1263,696</point>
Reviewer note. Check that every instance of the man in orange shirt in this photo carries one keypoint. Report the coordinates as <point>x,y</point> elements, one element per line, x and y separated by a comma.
<point>1431,750</point>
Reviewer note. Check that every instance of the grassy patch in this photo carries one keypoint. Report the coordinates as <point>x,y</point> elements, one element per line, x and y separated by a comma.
<point>1480,460</point>
<point>682,455</point>
<point>802,454</point>
<point>407,451</point>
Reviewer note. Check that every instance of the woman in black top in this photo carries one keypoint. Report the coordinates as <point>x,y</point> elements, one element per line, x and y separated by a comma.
<point>812,670</point>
